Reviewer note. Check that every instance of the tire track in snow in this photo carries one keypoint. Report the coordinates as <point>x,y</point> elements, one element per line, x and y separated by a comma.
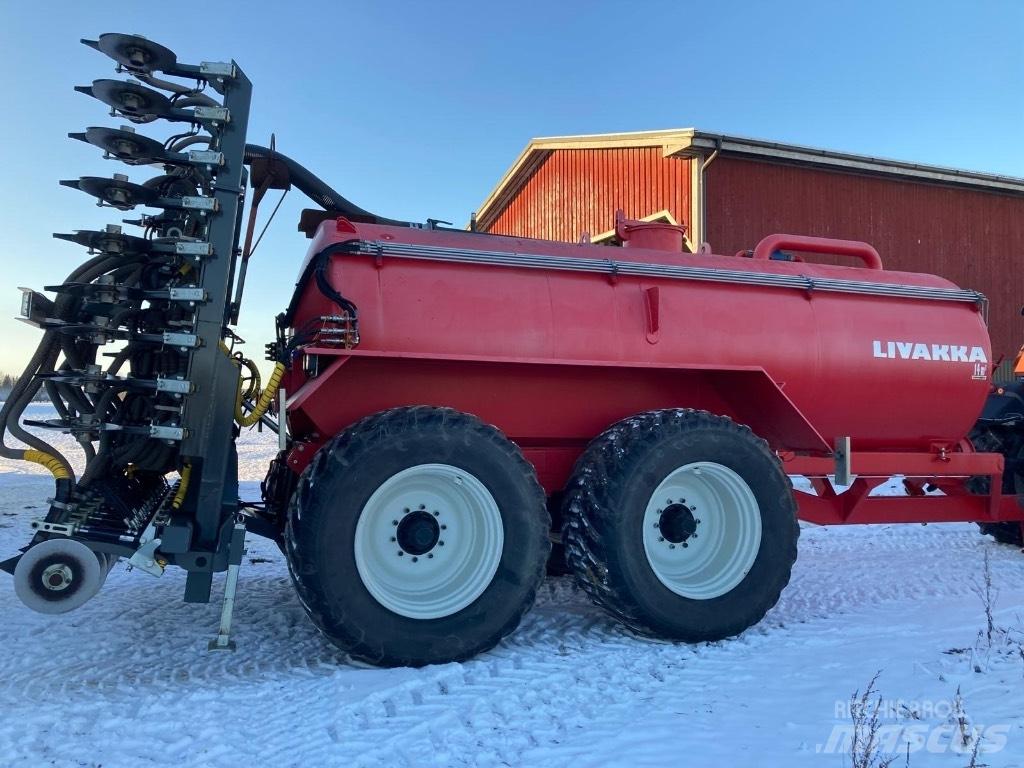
<point>569,670</point>
<point>139,654</point>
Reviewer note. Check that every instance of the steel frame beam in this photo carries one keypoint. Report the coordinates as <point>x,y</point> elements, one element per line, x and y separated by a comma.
<point>209,411</point>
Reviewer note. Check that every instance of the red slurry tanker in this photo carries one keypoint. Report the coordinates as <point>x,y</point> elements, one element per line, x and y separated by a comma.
<point>456,402</point>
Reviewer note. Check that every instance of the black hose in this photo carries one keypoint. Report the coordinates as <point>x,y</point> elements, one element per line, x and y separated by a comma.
<point>43,361</point>
<point>74,396</point>
<point>188,141</point>
<point>195,100</point>
<point>328,290</point>
<point>87,449</point>
<point>317,190</point>
<point>13,406</point>
<point>165,85</point>
<point>119,360</point>
<point>54,393</point>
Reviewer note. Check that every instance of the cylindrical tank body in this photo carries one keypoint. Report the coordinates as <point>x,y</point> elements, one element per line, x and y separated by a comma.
<point>567,347</point>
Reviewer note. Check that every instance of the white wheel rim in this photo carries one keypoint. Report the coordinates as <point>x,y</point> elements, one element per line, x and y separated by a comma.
<point>76,580</point>
<point>712,530</point>
<point>442,579</point>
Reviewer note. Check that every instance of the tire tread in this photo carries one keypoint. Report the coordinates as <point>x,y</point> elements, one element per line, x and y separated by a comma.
<point>336,457</point>
<point>590,514</point>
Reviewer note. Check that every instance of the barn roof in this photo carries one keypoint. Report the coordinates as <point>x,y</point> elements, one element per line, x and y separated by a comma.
<point>690,142</point>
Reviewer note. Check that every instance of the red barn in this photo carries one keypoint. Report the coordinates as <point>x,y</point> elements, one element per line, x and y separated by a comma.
<point>731,192</point>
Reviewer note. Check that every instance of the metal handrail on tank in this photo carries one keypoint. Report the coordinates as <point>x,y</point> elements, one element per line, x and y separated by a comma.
<point>803,244</point>
<point>381,248</point>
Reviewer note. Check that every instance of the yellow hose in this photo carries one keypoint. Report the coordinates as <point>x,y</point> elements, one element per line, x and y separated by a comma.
<point>264,401</point>
<point>52,463</point>
<point>255,382</point>
<point>179,495</point>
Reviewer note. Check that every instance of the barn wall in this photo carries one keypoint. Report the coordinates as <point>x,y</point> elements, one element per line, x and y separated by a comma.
<point>974,238</point>
<point>579,190</point>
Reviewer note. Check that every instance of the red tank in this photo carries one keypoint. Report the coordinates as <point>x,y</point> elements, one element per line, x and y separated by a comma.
<point>552,342</point>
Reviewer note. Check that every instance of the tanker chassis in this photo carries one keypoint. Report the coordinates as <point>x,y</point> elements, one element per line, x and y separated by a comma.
<point>459,412</point>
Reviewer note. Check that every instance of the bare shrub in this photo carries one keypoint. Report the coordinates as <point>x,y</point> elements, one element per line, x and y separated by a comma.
<point>864,744</point>
<point>987,593</point>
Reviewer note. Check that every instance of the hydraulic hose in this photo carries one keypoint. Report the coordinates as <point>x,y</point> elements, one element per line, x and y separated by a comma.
<point>21,388</point>
<point>52,463</point>
<point>264,401</point>
<point>255,383</point>
<point>179,495</point>
<point>196,100</point>
<point>188,141</point>
<point>316,189</point>
<point>43,360</point>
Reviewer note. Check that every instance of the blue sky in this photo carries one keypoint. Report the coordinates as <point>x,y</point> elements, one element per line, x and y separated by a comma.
<point>415,109</point>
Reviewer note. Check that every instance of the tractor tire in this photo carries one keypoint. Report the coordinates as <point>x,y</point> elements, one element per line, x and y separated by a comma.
<point>1008,444</point>
<point>681,524</point>
<point>417,536</point>
<point>1004,533</point>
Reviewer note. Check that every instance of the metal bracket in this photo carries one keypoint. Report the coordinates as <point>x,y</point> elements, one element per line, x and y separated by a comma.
<point>145,558</point>
<point>205,157</point>
<point>59,528</point>
<point>186,294</point>
<point>843,473</point>
<point>282,420</point>
<point>216,114</point>
<point>175,386</point>
<point>217,69</point>
<point>223,641</point>
<point>199,203</point>
<point>172,339</point>
<point>193,249</point>
<point>166,433</point>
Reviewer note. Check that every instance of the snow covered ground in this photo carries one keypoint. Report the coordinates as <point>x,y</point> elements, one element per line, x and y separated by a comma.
<point>127,680</point>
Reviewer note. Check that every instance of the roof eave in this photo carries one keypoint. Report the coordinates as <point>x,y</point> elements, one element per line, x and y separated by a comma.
<point>704,143</point>
<point>688,142</point>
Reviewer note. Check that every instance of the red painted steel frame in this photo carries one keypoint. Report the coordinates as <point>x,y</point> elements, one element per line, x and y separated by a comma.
<point>946,472</point>
<point>553,358</point>
<point>856,506</point>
